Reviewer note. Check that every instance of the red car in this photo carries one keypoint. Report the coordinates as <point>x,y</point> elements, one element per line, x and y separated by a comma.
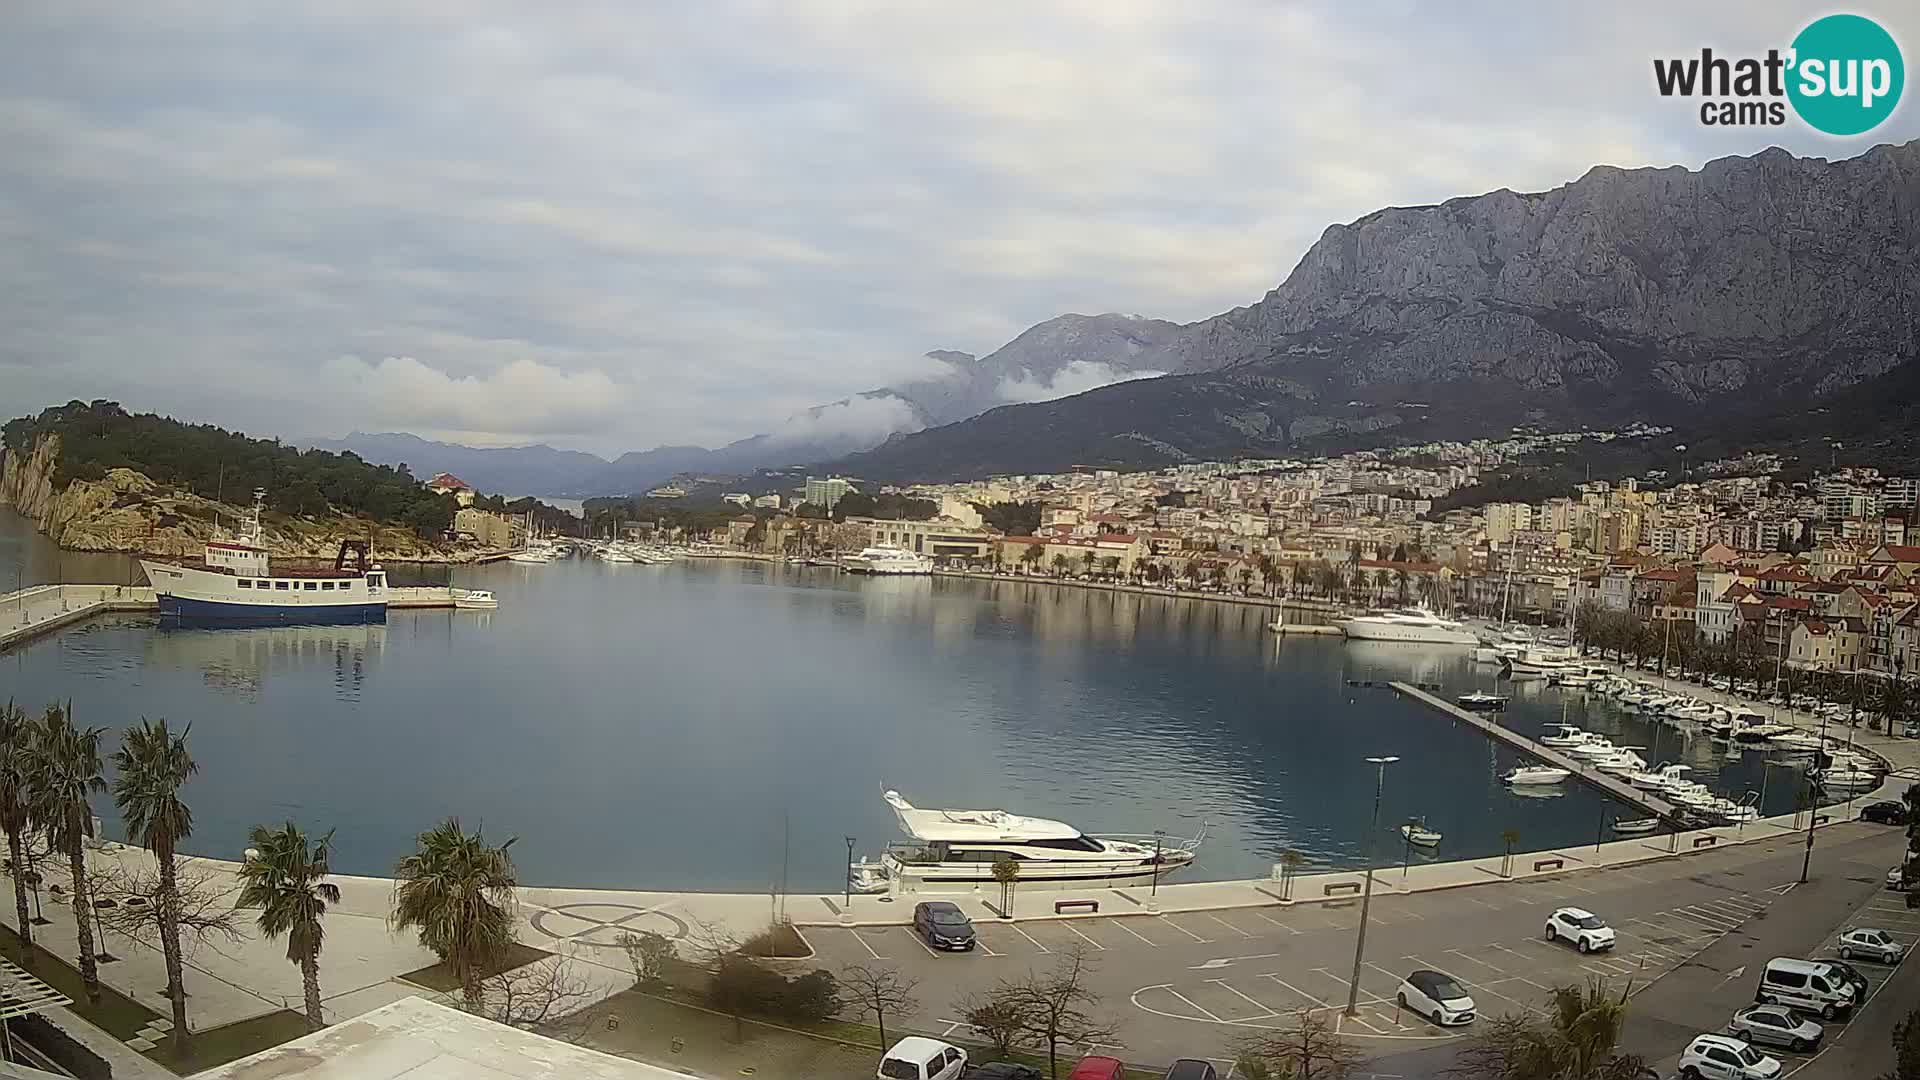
<point>1099,1068</point>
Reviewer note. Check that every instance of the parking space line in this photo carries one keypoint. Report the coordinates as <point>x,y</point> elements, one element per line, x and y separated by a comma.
<point>1344,1018</point>
<point>1268,1009</point>
<point>861,938</point>
<point>1367,997</point>
<point>1297,990</point>
<point>1274,921</point>
<point>1083,937</point>
<point>1471,960</point>
<point>1535,985</point>
<point>988,949</point>
<point>1476,900</point>
<point>1736,916</point>
<point>1228,925</point>
<point>1522,956</point>
<point>1169,922</point>
<point>1121,924</point>
<point>1204,1012</point>
<point>1029,937</point>
<point>1718,923</point>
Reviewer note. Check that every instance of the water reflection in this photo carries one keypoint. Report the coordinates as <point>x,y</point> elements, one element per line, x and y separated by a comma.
<point>240,660</point>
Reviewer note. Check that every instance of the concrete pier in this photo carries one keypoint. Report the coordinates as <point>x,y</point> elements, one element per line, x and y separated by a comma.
<point>1608,784</point>
<point>42,609</point>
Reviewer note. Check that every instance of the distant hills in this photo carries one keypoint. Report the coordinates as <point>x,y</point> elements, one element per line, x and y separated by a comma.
<point>1758,300</point>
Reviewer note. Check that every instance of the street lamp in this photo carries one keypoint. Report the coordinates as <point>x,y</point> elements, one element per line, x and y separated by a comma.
<point>1681,449</point>
<point>1813,806</point>
<point>1366,896</point>
<point>849,873</point>
<point>1159,835</point>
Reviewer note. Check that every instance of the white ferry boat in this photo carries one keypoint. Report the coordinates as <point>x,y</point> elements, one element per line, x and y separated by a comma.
<point>235,582</point>
<point>1416,625</point>
<point>887,559</point>
<point>956,849</point>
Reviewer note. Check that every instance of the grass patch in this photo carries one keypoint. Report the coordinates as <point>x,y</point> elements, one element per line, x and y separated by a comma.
<point>779,941</point>
<point>217,1046</point>
<point>117,1014</point>
<point>441,977</point>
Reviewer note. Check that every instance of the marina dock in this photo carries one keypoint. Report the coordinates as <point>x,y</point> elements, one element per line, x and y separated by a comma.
<point>42,609</point>
<point>1609,785</point>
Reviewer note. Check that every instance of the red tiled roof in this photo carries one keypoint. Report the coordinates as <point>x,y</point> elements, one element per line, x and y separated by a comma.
<point>1903,552</point>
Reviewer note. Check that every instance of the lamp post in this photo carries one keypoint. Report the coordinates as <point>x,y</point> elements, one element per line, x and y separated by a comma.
<point>849,873</point>
<point>1813,807</point>
<point>1366,896</point>
<point>1159,835</point>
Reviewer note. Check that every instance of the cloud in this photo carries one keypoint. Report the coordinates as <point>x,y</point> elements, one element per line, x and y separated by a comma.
<point>863,421</point>
<point>524,398</point>
<point>1076,378</point>
<point>731,212</point>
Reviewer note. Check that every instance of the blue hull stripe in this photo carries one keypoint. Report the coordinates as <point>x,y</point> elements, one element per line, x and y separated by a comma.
<point>213,611</point>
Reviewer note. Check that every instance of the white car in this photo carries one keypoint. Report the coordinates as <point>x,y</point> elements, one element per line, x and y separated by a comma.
<point>915,1058</point>
<point>1872,944</point>
<point>1436,996</point>
<point>1585,930</point>
<point>1717,1057</point>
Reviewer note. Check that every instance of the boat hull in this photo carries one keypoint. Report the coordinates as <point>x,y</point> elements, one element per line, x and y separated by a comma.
<point>1358,630</point>
<point>211,611</point>
<point>963,877</point>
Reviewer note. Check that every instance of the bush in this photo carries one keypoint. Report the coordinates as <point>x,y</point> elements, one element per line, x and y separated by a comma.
<point>741,985</point>
<point>649,954</point>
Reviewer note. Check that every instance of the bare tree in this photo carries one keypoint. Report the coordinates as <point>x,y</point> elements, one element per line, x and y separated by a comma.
<point>547,996</point>
<point>998,1021</point>
<point>650,955</point>
<point>1307,1049</point>
<point>1056,1007</point>
<point>879,991</point>
<point>204,898</point>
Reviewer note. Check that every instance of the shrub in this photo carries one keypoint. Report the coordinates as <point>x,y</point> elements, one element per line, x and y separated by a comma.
<point>741,985</point>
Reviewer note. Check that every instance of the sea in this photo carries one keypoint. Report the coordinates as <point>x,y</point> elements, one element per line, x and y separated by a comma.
<point>728,725</point>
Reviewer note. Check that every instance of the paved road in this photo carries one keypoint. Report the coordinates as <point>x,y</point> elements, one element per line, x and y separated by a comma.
<point>1189,984</point>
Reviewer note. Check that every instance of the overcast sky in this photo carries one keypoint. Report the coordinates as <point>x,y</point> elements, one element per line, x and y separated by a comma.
<point>609,226</point>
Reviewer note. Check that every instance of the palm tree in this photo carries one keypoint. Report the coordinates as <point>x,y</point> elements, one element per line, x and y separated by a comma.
<point>459,894</point>
<point>66,771</point>
<point>1246,580</point>
<point>1575,1040</point>
<point>1381,579</point>
<point>152,765</point>
<point>1059,565</point>
<point>16,754</point>
<point>287,882</point>
<point>1033,554</point>
<point>1086,562</point>
<point>1400,583</point>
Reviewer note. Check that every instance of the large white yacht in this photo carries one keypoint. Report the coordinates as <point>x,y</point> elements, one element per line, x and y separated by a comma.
<point>1407,624</point>
<point>956,849</point>
<point>235,582</point>
<point>887,559</point>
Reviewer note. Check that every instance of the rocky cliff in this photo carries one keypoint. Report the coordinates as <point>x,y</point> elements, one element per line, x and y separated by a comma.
<point>126,511</point>
<point>1746,287</point>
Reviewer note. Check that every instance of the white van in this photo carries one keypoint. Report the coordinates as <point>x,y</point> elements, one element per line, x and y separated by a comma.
<point>915,1058</point>
<point>1807,985</point>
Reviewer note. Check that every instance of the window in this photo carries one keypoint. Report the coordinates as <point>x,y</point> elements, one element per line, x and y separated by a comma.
<point>1793,979</point>
<point>244,583</point>
<point>952,1055</point>
<point>326,586</point>
<point>897,1069</point>
<point>283,585</point>
<point>1820,984</point>
<point>1077,843</point>
<point>312,586</point>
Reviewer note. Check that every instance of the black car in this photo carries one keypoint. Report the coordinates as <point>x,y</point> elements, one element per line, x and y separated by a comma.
<point>1004,1070</point>
<point>1849,975</point>
<point>1191,1069</point>
<point>943,925</point>
<point>1886,813</point>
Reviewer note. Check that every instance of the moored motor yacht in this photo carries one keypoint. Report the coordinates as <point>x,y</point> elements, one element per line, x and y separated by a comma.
<point>1412,625</point>
<point>887,559</point>
<point>1563,735</point>
<point>474,599</point>
<point>957,849</point>
<point>1480,701</point>
<point>1535,774</point>
<point>1417,833</point>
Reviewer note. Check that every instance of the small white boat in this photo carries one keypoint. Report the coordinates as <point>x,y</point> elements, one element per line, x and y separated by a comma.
<point>1419,835</point>
<point>868,876</point>
<point>530,557</point>
<point>474,599</point>
<point>1795,741</point>
<point>1481,701</point>
<point>1535,774</point>
<point>1595,747</point>
<point>1563,735</point>
<point>1636,826</point>
<point>1847,779</point>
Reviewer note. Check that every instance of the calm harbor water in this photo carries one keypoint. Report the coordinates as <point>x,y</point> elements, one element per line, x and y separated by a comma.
<point>697,725</point>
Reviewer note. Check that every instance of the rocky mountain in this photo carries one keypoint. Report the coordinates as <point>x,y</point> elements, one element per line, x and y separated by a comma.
<point>1059,357</point>
<point>1718,296</point>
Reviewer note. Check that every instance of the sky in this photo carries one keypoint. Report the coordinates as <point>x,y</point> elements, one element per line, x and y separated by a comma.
<point>608,226</point>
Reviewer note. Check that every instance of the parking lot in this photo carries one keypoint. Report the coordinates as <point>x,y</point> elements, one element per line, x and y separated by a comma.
<point>1191,983</point>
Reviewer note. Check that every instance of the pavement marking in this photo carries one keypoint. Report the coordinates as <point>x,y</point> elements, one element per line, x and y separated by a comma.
<point>1482,903</point>
<point>1472,960</point>
<point>1274,921</point>
<point>1083,937</point>
<point>1121,925</point>
<point>1297,990</point>
<point>1708,919</point>
<point>1224,961</point>
<point>857,936</point>
<point>1203,1012</point>
<point>1268,1009</point>
<point>1029,937</point>
<point>1189,933</point>
<point>1535,985</point>
<point>988,949</point>
<point>1522,956</point>
<point>918,940</point>
<point>1228,925</point>
<point>1367,997</point>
